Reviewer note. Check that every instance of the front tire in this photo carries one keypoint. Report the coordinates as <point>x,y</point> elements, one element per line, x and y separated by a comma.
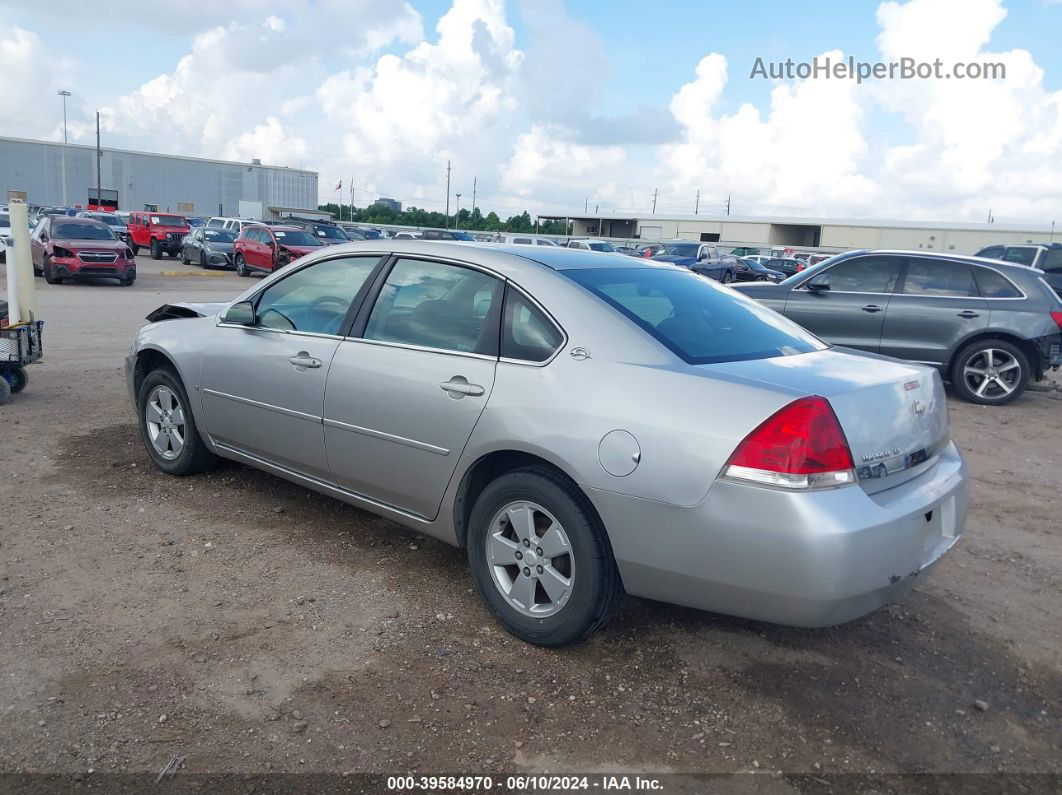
<point>541,559</point>
<point>241,266</point>
<point>134,248</point>
<point>48,274</point>
<point>168,427</point>
<point>156,250</point>
<point>990,372</point>
<point>203,263</point>
<point>184,258</point>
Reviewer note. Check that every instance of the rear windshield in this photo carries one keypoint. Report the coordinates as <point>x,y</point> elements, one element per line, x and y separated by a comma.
<point>698,321</point>
<point>96,231</point>
<point>296,237</point>
<point>1023,256</point>
<point>330,232</point>
<point>601,247</point>
<point>681,249</point>
<point>1052,262</point>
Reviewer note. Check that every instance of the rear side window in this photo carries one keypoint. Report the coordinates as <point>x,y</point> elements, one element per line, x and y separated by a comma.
<point>938,277</point>
<point>698,321</point>
<point>527,334</point>
<point>1022,256</point>
<point>436,305</point>
<point>994,285</point>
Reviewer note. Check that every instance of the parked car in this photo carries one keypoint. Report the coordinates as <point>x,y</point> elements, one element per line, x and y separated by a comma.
<point>592,245</point>
<point>1045,256</point>
<point>786,265</point>
<point>370,234</point>
<point>745,251</point>
<point>989,327</point>
<point>650,250</point>
<point>195,220</point>
<point>327,232</point>
<point>760,258</point>
<point>749,270</point>
<point>630,249</point>
<point>158,232</point>
<point>233,224</point>
<point>209,247</point>
<point>525,240</point>
<point>75,248</point>
<point>702,258</point>
<point>446,234</point>
<point>404,235</point>
<point>261,248</point>
<point>115,222</point>
<point>828,487</point>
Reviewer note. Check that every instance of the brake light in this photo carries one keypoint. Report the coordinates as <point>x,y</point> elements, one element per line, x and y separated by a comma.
<point>801,446</point>
<point>1057,317</point>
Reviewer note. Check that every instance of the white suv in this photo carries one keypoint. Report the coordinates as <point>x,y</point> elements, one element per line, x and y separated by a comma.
<point>234,224</point>
<point>590,244</point>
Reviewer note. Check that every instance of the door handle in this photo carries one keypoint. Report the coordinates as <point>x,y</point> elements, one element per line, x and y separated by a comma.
<point>967,313</point>
<point>303,360</point>
<point>458,385</point>
<point>871,308</point>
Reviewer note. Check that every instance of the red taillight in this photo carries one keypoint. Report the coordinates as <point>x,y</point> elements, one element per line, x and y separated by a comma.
<point>1057,317</point>
<point>800,446</point>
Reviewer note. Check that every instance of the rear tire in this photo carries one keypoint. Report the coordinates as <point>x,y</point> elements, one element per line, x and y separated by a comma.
<point>21,379</point>
<point>585,561</point>
<point>193,456</point>
<point>5,391</point>
<point>990,372</point>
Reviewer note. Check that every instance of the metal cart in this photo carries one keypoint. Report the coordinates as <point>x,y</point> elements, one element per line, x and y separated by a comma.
<point>19,345</point>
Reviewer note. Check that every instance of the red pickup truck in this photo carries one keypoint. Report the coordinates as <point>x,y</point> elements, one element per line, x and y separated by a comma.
<point>158,232</point>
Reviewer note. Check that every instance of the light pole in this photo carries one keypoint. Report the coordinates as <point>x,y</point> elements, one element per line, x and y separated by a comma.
<point>457,213</point>
<point>64,94</point>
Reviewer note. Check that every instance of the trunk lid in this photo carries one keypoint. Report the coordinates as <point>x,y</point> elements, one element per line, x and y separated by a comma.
<point>894,414</point>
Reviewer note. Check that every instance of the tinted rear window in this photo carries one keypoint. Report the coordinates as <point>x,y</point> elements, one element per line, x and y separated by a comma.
<point>698,321</point>
<point>994,285</point>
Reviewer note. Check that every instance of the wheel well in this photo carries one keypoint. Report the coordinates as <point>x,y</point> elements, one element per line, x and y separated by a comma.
<point>1025,346</point>
<point>487,469</point>
<point>146,361</point>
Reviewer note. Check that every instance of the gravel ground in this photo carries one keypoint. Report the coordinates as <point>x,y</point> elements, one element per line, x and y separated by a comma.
<point>250,626</point>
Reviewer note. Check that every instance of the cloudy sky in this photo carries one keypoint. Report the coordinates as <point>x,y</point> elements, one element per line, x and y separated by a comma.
<point>554,104</point>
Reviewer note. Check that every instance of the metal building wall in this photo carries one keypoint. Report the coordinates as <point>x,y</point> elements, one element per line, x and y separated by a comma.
<point>142,178</point>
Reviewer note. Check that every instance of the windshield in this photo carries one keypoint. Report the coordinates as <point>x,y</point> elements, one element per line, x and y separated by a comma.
<point>219,235</point>
<point>168,220</point>
<point>680,249</point>
<point>110,220</point>
<point>82,232</point>
<point>5,219</point>
<point>698,321</point>
<point>602,246</point>
<point>296,237</point>
<point>330,232</point>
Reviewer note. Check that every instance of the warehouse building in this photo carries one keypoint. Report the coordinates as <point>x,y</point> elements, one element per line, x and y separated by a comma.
<point>146,181</point>
<point>806,233</point>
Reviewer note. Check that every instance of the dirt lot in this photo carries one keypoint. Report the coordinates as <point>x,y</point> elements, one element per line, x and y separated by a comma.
<point>250,626</point>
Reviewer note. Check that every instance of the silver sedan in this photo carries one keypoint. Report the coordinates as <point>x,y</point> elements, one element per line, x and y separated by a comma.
<point>584,424</point>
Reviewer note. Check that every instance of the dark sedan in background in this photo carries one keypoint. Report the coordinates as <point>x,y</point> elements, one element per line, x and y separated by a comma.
<point>208,247</point>
<point>750,270</point>
<point>990,327</point>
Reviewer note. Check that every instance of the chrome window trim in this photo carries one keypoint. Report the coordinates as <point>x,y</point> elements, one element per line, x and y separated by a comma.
<point>387,437</point>
<point>423,348</point>
<point>268,406</point>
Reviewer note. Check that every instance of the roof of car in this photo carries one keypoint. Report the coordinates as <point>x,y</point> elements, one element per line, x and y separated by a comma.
<point>566,259</point>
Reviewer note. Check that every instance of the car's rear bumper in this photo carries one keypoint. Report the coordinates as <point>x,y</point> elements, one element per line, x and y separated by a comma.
<point>1050,348</point>
<point>804,559</point>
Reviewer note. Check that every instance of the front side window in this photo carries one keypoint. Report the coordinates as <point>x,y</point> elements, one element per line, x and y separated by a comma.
<point>992,252</point>
<point>435,305</point>
<point>938,277</point>
<point>527,334</point>
<point>314,299</point>
<point>860,275</point>
<point>698,321</point>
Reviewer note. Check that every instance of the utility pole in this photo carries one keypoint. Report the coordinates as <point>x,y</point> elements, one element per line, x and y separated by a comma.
<point>352,198</point>
<point>457,213</point>
<point>447,194</point>
<point>1052,238</point>
<point>64,94</point>
<point>586,204</point>
<point>728,204</point>
<point>655,194</point>
<point>474,194</point>
<point>99,159</point>
<point>697,204</point>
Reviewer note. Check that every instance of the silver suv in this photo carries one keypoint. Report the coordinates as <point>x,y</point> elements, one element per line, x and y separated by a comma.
<point>988,326</point>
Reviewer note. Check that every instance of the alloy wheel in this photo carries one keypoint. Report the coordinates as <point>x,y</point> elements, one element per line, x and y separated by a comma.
<point>992,373</point>
<point>165,420</point>
<point>531,559</point>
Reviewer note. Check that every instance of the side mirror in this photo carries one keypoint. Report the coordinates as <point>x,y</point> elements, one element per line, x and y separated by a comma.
<point>242,314</point>
<point>819,287</point>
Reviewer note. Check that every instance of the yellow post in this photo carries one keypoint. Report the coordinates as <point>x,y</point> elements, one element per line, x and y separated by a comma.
<point>22,307</point>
